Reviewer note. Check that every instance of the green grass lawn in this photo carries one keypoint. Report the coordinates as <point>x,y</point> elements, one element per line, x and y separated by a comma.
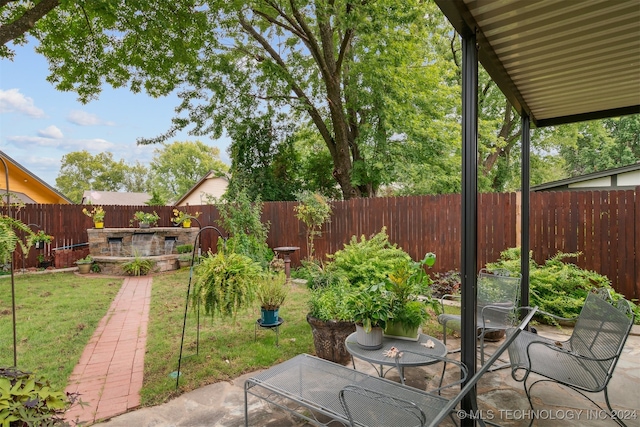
<point>227,348</point>
<point>56,314</point>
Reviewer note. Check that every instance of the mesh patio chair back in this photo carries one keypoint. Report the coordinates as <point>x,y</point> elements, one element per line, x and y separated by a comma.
<point>498,298</point>
<point>372,408</point>
<point>586,361</point>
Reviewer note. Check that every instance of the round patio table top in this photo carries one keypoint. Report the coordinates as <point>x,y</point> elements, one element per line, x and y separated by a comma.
<point>379,357</point>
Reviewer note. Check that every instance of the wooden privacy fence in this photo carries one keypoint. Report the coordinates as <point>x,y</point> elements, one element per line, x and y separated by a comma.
<point>600,224</point>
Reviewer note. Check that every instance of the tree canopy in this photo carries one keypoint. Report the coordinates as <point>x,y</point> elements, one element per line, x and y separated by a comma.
<point>362,97</point>
<point>175,168</point>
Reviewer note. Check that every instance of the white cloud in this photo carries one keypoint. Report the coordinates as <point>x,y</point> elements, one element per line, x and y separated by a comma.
<point>12,101</point>
<point>82,118</point>
<point>51,132</point>
<point>95,145</point>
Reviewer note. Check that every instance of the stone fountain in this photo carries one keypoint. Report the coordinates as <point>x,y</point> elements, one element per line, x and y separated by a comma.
<point>112,247</point>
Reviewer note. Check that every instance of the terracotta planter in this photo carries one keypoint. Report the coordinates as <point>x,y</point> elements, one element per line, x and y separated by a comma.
<point>329,337</point>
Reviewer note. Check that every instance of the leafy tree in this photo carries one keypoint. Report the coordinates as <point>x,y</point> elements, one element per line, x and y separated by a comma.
<point>589,147</point>
<point>360,73</point>
<point>178,166</point>
<point>82,171</point>
<point>263,160</point>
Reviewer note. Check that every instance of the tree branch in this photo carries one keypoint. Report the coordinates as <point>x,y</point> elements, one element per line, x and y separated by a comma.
<point>315,114</point>
<point>27,21</point>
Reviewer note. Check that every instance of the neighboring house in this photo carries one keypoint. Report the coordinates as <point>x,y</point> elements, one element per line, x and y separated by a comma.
<point>92,197</point>
<point>26,186</point>
<point>624,178</point>
<point>209,186</point>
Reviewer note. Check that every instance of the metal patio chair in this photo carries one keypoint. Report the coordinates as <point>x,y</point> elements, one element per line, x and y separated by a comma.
<point>498,297</point>
<point>586,361</point>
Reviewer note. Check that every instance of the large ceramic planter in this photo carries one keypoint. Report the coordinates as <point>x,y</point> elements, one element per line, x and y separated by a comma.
<point>400,331</point>
<point>371,340</point>
<point>184,262</point>
<point>329,337</point>
<point>84,267</point>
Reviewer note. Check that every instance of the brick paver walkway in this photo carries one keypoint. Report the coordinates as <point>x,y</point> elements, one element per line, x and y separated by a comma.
<point>109,373</point>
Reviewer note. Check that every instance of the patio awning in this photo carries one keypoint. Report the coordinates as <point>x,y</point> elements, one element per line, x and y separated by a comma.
<point>557,61</point>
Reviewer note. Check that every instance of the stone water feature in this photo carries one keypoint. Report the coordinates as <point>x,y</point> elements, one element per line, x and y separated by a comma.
<point>112,247</point>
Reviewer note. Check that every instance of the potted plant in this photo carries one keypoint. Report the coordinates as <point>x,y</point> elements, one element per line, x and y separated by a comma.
<point>138,266</point>
<point>84,264</point>
<point>184,218</point>
<point>330,322</point>
<point>185,254</point>
<point>96,214</point>
<point>271,293</point>
<point>410,295</point>
<point>145,219</point>
<point>370,309</point>
<point>39,239</point>
<point>225,283</point>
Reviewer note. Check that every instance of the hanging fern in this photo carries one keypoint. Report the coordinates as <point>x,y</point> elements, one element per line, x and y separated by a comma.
<point>226,283</point>
<point>9,239</point>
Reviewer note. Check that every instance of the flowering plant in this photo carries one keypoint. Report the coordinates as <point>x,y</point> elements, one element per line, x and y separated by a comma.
<point>97,213</point>
<point>179,216</point>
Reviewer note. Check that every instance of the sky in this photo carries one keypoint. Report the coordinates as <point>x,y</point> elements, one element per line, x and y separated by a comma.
<point>39,124</point>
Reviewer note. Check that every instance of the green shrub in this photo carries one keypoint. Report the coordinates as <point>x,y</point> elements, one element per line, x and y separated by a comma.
<point>367,262</point>
<point>557,287</point>
<point>184,249</point>
<point>28,400</point>
<point>328,303</point>
<point>138,266</point>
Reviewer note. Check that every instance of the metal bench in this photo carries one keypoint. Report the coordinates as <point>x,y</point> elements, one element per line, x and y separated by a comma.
<point>314,389</point>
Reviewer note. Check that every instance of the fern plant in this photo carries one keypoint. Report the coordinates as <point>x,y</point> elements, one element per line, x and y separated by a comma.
<point>226,283</point>
<point>367,262</point>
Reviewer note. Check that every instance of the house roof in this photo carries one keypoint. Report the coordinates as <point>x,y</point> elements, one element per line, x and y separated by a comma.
<point>557,61</point>
<point>208,175</point>
<point>587,177</point>
<point>22,181</point>
<point>114,198</point>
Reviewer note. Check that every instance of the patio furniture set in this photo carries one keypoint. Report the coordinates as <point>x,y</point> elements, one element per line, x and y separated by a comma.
<point>323,392</point>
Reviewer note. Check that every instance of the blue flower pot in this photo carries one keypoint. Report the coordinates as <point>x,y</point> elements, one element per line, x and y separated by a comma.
<point>269,317</point>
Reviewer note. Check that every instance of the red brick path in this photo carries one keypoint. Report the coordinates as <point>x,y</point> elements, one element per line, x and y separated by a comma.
<point>109,373</point>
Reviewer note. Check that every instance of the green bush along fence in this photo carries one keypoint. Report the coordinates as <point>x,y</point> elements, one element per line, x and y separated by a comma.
<point>602,225</point>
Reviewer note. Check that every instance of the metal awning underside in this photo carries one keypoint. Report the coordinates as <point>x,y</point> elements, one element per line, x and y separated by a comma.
<point>559,61</point>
